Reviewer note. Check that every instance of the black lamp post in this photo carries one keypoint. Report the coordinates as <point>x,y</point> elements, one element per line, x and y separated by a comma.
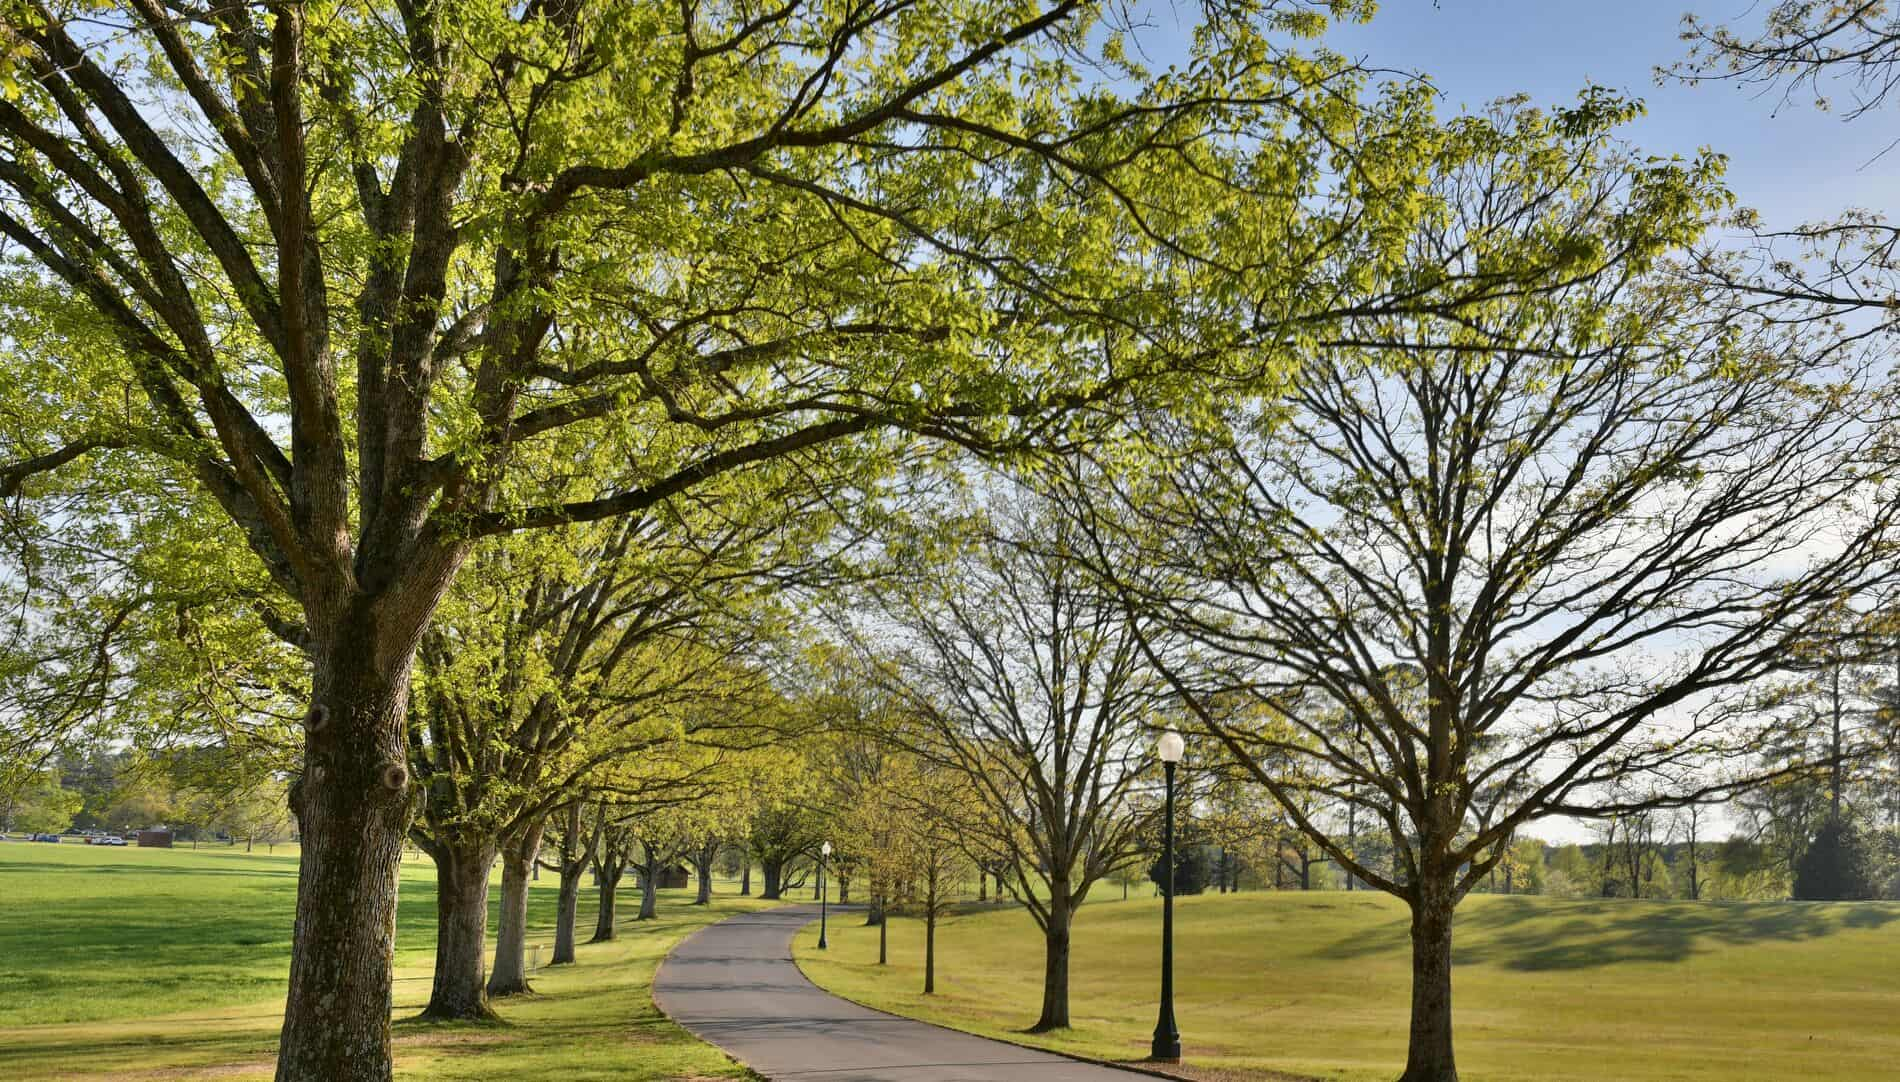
<point>1167,1043</point>
<point>824,893</point>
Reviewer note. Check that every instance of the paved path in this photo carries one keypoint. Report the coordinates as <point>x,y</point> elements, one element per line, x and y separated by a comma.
<point>735,985</point>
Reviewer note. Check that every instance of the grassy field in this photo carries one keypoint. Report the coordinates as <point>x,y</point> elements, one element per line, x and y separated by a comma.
<point>1317,985</point>
<point>164,964</point>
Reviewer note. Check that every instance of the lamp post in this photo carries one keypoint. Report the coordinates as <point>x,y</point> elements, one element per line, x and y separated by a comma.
<point>1167,1042</point>
<point>824,893</point>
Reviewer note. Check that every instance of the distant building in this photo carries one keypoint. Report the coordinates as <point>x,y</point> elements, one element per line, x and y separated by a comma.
<point>156,838</point>
<point>671,878</point>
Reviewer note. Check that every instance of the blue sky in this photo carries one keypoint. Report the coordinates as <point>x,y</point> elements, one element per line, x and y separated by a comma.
<point>1791,162</point>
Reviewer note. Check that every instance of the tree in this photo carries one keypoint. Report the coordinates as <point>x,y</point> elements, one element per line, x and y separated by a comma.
<point>1530,548</point>
<point>933,805</point>
<point>1008,668</point>
<point>1190,875</point>
<point>782,831</point>
<point>38,804</point>
<point>361,268</point>
<point>576,840</point>
<point>909,821</point>
<point>610,865</point>
<point>260,813</point>
<point>1835,865</point>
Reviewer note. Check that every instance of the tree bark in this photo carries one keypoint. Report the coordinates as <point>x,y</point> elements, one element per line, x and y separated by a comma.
<point>930,936</point>
<point>1430,1058</point>
<point>607,873</point>
<point>461,929</point>
<point>745,878</point>
<point>649,883</point>
<point>1055,970</point>
<point>703,871</point>
<point>353,805</point>
<point>510,977</point>
<point>576,852</point>
<point>774,875</point>
<point>565,912</point>
<point>883,935</point>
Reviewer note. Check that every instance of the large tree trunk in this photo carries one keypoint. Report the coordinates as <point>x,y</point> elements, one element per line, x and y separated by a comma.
<point>883,935</point>
<point>461,929</point>
<point>510,977</point>
<point>745,878</point>
<point>353,805</point>
<point>1055,970</point>
<point>1430,1058</point>
<point>774,878</point>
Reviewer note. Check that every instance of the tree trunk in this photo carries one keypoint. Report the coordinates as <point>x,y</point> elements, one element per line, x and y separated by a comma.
<point>608,875</point>
<point>565,912</point>
<point>649,883</point>
<point>703,871</point>
<point>930,935</point>
<point>1055,970</point>
<point>1429,1058</point>
<point>510,977</point>
<point>774,875</point>
<point>745,878</point>
<point>982,885</point>
<point>461,929</point>
<point>883,935</point>
<point>844,890</point>
<point>353,805</point>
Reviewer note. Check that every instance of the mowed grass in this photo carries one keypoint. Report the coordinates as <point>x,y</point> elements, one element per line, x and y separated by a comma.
<point>159,964</point>
<point>1318,985</point>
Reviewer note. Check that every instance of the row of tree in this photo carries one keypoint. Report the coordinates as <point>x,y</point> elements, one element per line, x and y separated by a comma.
<point>507,422</point>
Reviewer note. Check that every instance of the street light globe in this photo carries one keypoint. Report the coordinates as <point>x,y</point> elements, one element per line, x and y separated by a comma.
<point>1170,747</point>
<point>825,849</point>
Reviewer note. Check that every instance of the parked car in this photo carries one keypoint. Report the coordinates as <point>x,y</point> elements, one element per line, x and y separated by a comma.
<point>54,838</point>
<point>110,839</point>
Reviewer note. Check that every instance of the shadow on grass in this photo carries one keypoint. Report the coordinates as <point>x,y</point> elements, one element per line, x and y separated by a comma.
<point>1535,935</point>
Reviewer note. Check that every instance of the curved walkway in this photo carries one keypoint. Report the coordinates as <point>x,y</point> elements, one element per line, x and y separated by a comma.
<point>734,984</point>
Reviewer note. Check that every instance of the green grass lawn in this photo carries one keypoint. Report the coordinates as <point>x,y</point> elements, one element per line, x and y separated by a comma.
<point>147,963</point>
<point>1318,985</point>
